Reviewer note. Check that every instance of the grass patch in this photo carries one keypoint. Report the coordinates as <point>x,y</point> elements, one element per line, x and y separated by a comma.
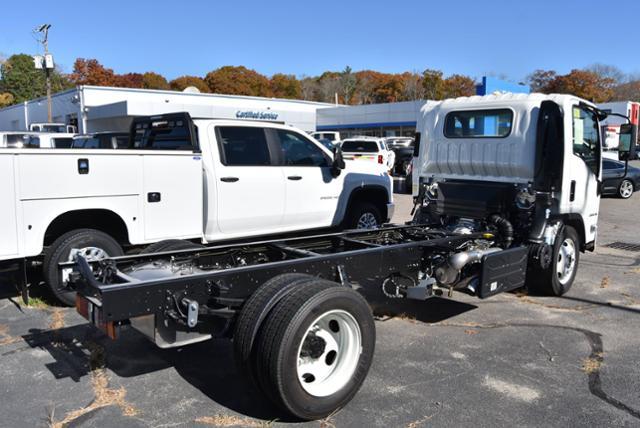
<point>592,364</point>
<point>37,303</point>
<point>222,420</point>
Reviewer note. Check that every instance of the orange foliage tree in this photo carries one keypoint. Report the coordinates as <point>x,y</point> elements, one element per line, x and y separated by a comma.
<point>238,81</point>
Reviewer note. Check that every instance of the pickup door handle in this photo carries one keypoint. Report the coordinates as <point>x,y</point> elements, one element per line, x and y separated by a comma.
<point>229,179</point>
<point>154,197</point>
<point>294,177</point>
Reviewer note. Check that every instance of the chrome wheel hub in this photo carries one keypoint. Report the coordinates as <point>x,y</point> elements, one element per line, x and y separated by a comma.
<point>566,261</point>
<point>626,189</point>
<point>329,352</point>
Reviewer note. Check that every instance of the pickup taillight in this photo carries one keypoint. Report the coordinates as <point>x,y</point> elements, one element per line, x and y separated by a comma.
<point>380,159</point>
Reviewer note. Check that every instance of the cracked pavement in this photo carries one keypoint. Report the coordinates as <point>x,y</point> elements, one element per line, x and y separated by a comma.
<point>511,360</point>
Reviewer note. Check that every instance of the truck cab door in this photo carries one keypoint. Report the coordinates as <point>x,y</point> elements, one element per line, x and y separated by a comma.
<point>250,186</point>
<point>311,192</point>
<point>583,169</point>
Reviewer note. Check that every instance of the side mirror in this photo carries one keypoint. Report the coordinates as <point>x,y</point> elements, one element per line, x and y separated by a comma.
<point>338,162</point>
<point>627,141</point>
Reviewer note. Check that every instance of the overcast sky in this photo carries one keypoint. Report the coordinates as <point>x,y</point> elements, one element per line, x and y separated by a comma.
<point>307,37</point>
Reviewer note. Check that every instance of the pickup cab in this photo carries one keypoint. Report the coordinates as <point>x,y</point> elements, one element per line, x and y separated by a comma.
<point>196,180</point>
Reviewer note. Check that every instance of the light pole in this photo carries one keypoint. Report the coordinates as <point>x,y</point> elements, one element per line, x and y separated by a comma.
<point>47,64</point>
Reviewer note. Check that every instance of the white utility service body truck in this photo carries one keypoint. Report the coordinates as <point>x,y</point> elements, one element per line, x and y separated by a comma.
<point>201,180</point>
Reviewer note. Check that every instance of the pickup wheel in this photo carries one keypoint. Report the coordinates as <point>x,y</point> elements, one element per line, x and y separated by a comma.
<point>558,278</point>
<point>170,245</point>
<point>363,215</point>
<point>91,243</point>
<point>315,349</point>
<point>253,313</point>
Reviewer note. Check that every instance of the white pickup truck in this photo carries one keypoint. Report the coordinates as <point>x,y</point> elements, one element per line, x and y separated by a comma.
<point>198,180</point>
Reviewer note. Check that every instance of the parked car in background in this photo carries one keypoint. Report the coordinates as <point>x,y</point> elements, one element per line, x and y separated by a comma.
<point>403,149</point>
<point>369,149</point>
<point>332,136</point>
<point>35,140</point>
<point>53,127</point>
<point>101,140</point>
<point>614,181</point>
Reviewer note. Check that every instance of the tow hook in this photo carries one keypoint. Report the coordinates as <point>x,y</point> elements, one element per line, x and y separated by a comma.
<point>192,312</point>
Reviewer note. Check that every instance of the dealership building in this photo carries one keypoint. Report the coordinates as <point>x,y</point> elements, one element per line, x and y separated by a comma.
<point>97,108</point>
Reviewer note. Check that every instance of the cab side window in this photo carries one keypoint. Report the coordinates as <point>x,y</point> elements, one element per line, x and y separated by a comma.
<point>243,146</point>
<point>586,138</point>
<point>299,151</point>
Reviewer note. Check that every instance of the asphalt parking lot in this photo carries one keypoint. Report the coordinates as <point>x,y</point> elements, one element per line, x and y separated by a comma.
<point>512,360</point>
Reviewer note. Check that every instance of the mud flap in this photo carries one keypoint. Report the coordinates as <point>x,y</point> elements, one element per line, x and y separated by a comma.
<point>503,271</point>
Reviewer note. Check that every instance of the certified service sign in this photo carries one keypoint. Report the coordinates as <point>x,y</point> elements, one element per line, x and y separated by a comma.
<point>259,115</point>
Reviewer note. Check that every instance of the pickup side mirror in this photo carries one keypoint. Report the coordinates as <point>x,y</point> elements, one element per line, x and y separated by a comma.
<point>338,162</point>
<point>627,141</point>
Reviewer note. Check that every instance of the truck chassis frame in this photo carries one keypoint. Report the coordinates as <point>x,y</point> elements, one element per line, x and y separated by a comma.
<point>229,274</point>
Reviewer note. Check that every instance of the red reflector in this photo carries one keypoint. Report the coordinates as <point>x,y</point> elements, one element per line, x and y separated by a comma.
<point>380,160</point>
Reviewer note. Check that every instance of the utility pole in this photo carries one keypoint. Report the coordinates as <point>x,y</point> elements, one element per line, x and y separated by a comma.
<point>47,63</point>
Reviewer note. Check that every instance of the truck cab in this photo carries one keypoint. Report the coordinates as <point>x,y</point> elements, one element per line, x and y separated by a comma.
<point>533,160</point>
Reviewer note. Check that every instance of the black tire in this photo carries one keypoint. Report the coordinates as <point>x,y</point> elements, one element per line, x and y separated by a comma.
<point>283,334</point>
<point>622,189</point>
<point>253,313</point>
<point>170,245</point>
<point>60,250</point>
<point>547,281</point>
<point>360,209</point>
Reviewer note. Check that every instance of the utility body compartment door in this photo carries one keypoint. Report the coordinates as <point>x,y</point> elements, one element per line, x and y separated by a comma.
<point>8,219</point>
<point>172,195</point>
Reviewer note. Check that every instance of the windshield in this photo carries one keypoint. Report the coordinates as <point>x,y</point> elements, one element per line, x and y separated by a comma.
<point>360,146</point>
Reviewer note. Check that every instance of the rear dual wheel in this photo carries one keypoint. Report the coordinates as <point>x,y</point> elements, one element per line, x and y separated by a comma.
<point>314,348</point>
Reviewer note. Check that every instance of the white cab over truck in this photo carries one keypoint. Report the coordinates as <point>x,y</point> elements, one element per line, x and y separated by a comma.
<point>509,188</point>
<point>199,180</point>
<point>533,161</point>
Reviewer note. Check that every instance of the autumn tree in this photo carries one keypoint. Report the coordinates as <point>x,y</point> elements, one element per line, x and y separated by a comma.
<point>24,82</point>
<point>329,85</point>
<point>285,86</point>
<point>91,72</point>
<point>348,84</point>
<point>586,84</point>
<point>309,88</point>
<point>129,80</point>
<point>151,80</point>
<point>458,85</point>
<point>433,84</point>
<point>629,91</point>
<point>238,81</point>
<point>183,82</point>
<point>366,83</point>
<point>388,88</point>
<point>6,99</point>
<point>412,88</point>
<point>542,81</point>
